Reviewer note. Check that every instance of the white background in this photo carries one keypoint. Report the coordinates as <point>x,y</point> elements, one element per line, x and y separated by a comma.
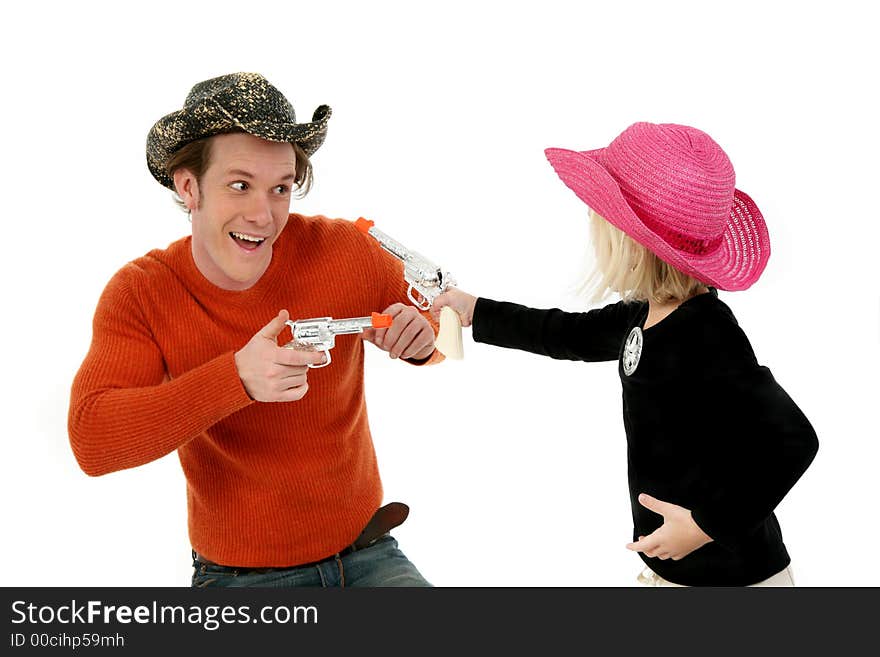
<point>514,466</point>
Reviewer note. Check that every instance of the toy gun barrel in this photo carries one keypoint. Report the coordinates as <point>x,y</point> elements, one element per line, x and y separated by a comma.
<point>391,245</point>
<point>428,281</point>
<point>423,276</point>
<point>358,324</point>
<point>319,333</point>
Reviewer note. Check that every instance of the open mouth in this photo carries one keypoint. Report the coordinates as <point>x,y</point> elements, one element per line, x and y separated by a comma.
<point>247,242</point>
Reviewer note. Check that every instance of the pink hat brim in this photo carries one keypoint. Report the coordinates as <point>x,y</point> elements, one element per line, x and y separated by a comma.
<point>735,265</point>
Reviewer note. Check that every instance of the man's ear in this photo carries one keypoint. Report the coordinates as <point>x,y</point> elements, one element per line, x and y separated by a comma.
<point>187,188</point>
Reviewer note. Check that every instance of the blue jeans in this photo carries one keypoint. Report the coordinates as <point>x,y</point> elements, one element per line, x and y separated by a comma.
<point>380,564</point>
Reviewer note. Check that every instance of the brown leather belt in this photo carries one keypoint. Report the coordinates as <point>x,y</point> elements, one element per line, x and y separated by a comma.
<point>383,521</point>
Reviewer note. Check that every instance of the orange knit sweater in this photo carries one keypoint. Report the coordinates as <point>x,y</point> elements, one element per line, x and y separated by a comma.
<point>268,484</point>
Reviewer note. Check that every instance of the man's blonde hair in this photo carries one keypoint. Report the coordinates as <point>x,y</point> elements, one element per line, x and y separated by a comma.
<point>626,267</point>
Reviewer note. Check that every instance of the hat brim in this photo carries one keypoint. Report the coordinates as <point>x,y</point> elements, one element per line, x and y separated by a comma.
<point>174,131</point>
<point>735,265</point>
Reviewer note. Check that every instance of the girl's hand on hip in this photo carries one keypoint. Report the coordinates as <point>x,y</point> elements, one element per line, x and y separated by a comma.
<point>678,537</point>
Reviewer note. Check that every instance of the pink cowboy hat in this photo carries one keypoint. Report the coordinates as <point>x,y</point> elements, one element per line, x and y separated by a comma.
<point>671,188</point>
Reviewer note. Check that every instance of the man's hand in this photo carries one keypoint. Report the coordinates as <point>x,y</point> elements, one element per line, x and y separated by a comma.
<point>677,538</point>
<point>461,302</point>
<point>409,336</point>
<point>271,373</point>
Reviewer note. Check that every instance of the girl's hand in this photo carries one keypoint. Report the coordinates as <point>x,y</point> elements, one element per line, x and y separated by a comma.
<point>678,537</point>
<point>461,302</point>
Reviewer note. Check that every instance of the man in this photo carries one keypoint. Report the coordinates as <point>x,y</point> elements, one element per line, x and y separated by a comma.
<point>283,486</point>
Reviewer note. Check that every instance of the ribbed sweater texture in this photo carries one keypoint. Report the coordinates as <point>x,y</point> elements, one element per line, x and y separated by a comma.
<point>268,484</point>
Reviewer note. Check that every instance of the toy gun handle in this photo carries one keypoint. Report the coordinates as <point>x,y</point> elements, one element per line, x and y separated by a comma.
<point>299,346</point>
<point>448,340</point>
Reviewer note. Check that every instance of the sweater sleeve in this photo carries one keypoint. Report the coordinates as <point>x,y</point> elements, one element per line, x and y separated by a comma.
<point>761,449</point>
<point>124,411</point>
<point>596,335</point>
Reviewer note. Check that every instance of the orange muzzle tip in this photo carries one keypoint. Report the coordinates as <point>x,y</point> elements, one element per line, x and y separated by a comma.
<point>381,321</point>
<point>364,225</point>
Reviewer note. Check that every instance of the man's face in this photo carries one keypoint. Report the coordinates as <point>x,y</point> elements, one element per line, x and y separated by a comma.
<point>240,207</point>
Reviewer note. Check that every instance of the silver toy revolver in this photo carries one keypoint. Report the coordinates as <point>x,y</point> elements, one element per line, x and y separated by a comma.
<point>422,275</point>
<point>319,333</point>
<point>428,281</point>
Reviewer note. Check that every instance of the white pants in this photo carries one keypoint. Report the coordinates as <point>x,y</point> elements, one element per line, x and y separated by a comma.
<point>783,578</point>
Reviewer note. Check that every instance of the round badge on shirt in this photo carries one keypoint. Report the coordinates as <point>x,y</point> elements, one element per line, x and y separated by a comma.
<point>632,351</point>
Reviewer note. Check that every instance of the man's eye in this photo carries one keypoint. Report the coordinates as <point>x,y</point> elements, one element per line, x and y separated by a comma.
<point>239,185</point>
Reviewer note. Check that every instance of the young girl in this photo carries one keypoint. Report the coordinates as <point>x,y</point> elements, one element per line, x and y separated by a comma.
<point>714,443</point>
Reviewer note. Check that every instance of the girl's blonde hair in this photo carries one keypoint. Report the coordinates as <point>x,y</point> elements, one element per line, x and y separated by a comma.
<point>626,267</point>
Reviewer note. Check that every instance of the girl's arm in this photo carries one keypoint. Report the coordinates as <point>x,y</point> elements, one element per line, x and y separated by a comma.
<point>595,335</point>
<point>760,448</point>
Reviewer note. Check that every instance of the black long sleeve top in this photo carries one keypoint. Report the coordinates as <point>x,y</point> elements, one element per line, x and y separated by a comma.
<point>707,427</point>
